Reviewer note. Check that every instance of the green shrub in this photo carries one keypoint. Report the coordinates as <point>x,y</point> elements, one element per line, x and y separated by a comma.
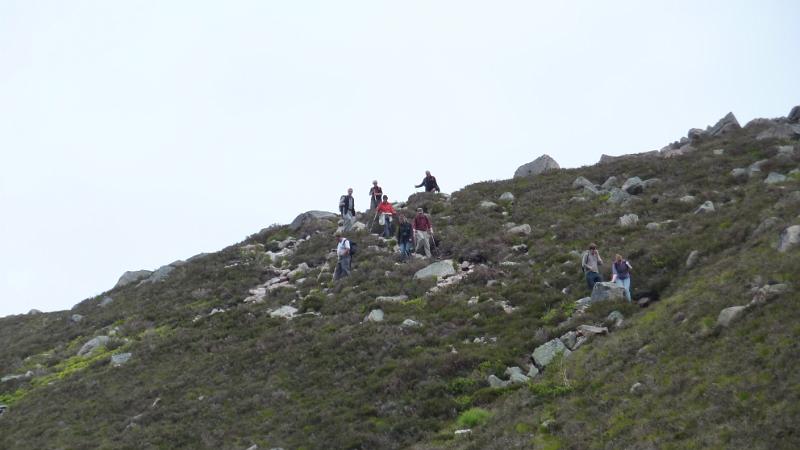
<point>473,417</point>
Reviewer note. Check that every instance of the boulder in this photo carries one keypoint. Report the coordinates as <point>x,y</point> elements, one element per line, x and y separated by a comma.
<point>523,230</point>
<point>615,318</point>
<point>780,131</point>
<point>755,168</point>
<point>132,276</point>
<point>651,182</point>
<point>516,375</point>
<point>724,126</point>
<point>691,260</point>
<point>740,173</point>
<point>774,178</point>
<point>359,226</point>
<point>591,330</point>
<point>105,301</point>
<point>609,183</point>
<point>670,152</point>
<point>93,344</point>
<point>794,115</point>
<point>582,182</point>
<point>653,226</point>
<point>120,359</point>
<point>410,323</point>
<point>521,248</point>
<point>75,318</point>
<point>628,220</point>
<point>536,167</point>
<point>284,312</point>
<point>391,298</point>
<point>706,207</point>
<point>789,239</point>
<point>300,270</point>
<point>633,186</point>
<point>486,204</point>
<point>438,269</point>
<point>160,274</point>
<point>607,291</point>
<point>718,151</point>
<point>591,190</point>
<point>728,315</point>
<point>507,197</point>
<point>376,315</point>
<point>310,217</point>
<point>637,389</point>
<point>545,353</point>
<point>695,134</point>
<point>497,382</point>
<point>618,196</point>
<point>569,339</point>
<point>768,293</point>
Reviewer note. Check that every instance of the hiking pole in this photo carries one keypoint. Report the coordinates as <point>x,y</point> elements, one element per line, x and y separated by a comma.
<point>372,222</point>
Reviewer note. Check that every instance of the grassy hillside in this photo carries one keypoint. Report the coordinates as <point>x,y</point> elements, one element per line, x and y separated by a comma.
<point>328,379</point>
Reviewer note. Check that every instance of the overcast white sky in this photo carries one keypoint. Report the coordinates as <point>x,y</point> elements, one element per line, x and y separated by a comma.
<point>135,133</point>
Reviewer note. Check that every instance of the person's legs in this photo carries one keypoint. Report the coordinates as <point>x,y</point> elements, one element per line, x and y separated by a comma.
<point>626,283</point>
<point>427,241</point>
<point>387,227</point>
<point>592,278</point>
<point>346,262</point>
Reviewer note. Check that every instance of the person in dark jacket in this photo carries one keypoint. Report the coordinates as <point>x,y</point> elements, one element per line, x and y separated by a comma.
<point>429,182</point>
<point>347,208</point>
<point>375,193</point>
<point>405,237</point>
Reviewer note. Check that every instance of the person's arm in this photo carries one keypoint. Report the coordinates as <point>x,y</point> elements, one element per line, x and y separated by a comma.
<point>599,259</point>
<point>347,248</point>
<point>436,185</point>
<point>629,264</point>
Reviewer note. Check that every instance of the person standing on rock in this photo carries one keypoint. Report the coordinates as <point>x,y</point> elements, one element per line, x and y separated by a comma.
<point>386,212</point>
<point>347,208</point>
<point>343,257</point>
<point>589,262</point>
<point>375,193</point>
<point>429,182</point>
<point>621,274</point>
<point>405,237</point>
<point>423,231</point>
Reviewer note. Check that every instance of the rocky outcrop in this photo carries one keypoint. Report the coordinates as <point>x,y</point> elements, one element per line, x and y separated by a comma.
<point>775,178</point>
<point>519,230</point>
<point>789,238</point>
<point>607,291</point>
<point>724,126</point>
<point>706,207</point>
<point>311,217</point>
<point>547,352</point>
<point>132,276</point>
<point>439,269</point>
<point>376,315</point>
<point>284,312</point>
<point>537,166</point>
<point>93,344</point>
<point>780,131</point>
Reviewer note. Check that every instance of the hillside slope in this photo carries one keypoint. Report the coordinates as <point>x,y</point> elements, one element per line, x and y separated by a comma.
<point>214,365</point>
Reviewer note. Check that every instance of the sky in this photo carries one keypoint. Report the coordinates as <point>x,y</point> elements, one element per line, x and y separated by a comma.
<point>136,133</point>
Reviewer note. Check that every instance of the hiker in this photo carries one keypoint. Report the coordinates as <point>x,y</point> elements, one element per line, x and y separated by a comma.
<point>375,193</point>
<point>343,254</point>
<point>405,237</point>
<point>386,212</point>
<point>429,182</point>
<point>589,262</point>
<point>423,232</point>
<point>347,208</point>
<point>621,274</point>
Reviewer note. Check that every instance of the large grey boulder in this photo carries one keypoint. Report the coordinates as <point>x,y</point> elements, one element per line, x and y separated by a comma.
<point>607,291</point>
<point>706,207</point>
<point>376,315</point>
<point>438,269</point>
<point>728,315</point>
<point>628,220</point>
<point>582,182</point>
<point>132,276</point>
<point>618,196</point>
<point>790,237</point>
<point>93,344</point>
<point>692,259</point>
<point>496,382</point>
<point>284,312</point>
<point>633,186</point>
<point>507,197</point>
<point>520,230</point>
<point>309,217</point>
<point>537,166</point>
<point>724,126</point>
<point>609,183</point>
<point>775,178</point>
<point>780,131</point>
<point>516,375</point>
<point>547,352</point>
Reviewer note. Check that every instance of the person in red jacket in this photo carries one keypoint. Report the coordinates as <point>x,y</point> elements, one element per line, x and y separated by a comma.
<point>423,230</point>
<point>386,212</point>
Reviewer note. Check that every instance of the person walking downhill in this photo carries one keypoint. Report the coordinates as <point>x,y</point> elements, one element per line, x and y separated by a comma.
<point>405,237</point>
<point>621,274</point>
<point>589,262</point>
<point>429,182</point>
<point>375,193</point>
<point>347,208</point>
<point>386,212</point>
<point>423,230</point>
<point>343,254</point>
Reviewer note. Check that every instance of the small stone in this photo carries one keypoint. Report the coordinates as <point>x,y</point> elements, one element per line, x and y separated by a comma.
<point>284,312</point>
<point>391,298</point>
<point>644,302</point>
<point>628,220</point>
<point>591,330</point>
<point>409,323</point>
<point>740,173</point>
<point>376,315</point>
<point>516,375</point>
<point>679,317</point>
<point>637,389</point>
<point>465,433</point>
<point>522,230</point>
<point>728,315</point>
<point>706,207</point>
<point>718,151</point>
<point>692,259</point>
<point>106,301</point>
<point>75,318</point>
<point>616,319</point>
<point>653,226</point>
<point>688,199</point>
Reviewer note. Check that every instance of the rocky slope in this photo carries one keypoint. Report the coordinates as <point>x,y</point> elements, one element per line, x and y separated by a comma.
<point>497,345</point>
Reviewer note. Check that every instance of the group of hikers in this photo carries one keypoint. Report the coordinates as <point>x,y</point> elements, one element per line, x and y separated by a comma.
<point>418,233</point>
<point>414,234</point>
<point>620,270</point>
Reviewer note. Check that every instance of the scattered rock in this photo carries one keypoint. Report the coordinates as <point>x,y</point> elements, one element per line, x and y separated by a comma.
<point>485,204</point>
<point>607,291</point>
<point>3,409</point>
<point>688,199</point>
<point>755,168</point>
<point>768,293</point>
<point>740,174</point>
<point>516,375</point>
<point>132,276</point>
<point>724,126</point>
<point>521,248</point>
<point>105,301</point>
<point>438,269</point>
<point>93,344</point>
<point>718,151</point>
<point>609,183</point>
<point>310,217</point>
<point>523,230</point>
<point>591,330</point>
<point>120,359</point>
<point>301,269</point>
<point>577,199</point>
<point>464,434</point>
<point>706,207</point>
<point>409,323</point>
<point>618,196</point>
<point>790,237</point>
<point>497,382</point>
<point>633,186</point>
<point>582,182</point>
<point>507,197</point>
<point>637,389</point>
<point>569,339</point>
<point>628,220</point>
<point>691,261</point>
<point>545,353</point>
<point>376,315</point>
<point>644,302</point>
<point>391,298</point>
<point>284,312</point>
<point>728,315</point>
<point>653,226</point>
<point>774,178</point>
<point>616,319</point>
<point>536,167</point>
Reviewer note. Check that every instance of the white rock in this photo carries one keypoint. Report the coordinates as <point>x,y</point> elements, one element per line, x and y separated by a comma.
<point>774,178</point>
<point>790,237</point>
<point>376,315</point>
<point>628,220</point>
<point>284,312</point>
<point>523,229</point>
<point>707,207</point>
<point>728,315</point>
<point>410,323</point>
<point>507,197</point>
